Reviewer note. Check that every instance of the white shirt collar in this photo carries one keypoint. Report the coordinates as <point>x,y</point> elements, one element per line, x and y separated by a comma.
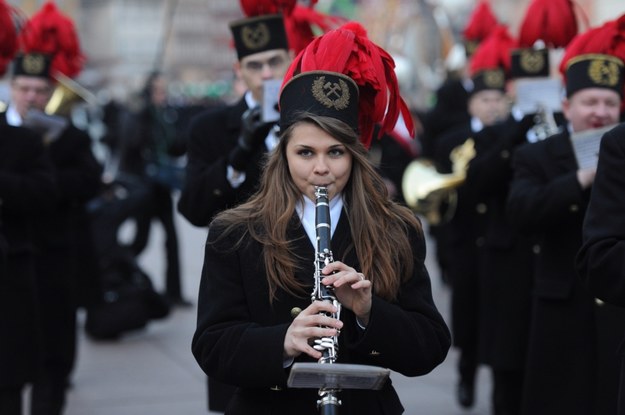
<point>306,213</point>
<point>249,100</point>
<point>13,117</point>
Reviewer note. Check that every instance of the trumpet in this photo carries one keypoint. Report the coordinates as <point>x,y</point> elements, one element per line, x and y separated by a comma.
<point>425,190</point>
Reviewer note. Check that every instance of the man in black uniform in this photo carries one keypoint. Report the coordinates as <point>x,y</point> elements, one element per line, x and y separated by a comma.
<point>60,233</point>
<point>27,189</point>
<point>569,361</point>
<point>487,105</point>
<point>226,145</point>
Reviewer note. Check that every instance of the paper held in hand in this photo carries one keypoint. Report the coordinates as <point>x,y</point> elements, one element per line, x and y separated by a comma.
<point>586,146</point>
<point>532,94</point>
<point>271,92</point>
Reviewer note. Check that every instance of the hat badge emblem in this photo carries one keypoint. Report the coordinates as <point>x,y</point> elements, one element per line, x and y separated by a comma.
<point>494,79</point>
<point>532,61</point>
<point>603,72</point>
<point>255,37</point>
<point>33,64</point>
<point>331,94</point>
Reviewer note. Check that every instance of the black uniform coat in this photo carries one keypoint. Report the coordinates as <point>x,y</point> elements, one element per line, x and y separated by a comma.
<point>207,191</point>
<point>462,245</point>
<point>547,200</point>
<point>240,334</point>
<point>27,188</point>
<point>601,261</point>
<point>505,267</point>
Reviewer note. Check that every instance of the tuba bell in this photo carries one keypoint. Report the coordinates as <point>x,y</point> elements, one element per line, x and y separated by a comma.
<point>427,192</point>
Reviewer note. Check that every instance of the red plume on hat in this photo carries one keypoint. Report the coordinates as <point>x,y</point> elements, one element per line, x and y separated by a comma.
<point>494,51</point>
<point>8,36</point>
<point>253,8</point>
<point>555,22</point>
<point>608,39</point>
<point>348,51</point>
<point>481,22</point>
<point>304,21</point>
<point>50,32</point>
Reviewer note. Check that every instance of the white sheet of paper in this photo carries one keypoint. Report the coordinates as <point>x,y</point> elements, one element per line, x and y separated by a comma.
<point>531,94</point>
<point>586,146</point>
<point>271,92</point>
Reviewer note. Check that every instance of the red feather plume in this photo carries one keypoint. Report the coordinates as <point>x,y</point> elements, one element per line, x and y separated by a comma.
<point>301,25</point>
<point>8,36</point>
<point>347,50</point>
<point>494,51</point>
<point>50,32</point>
<point>552,21</point>
<point>608,39</point>
<point>481,22</point>
<point>252,8</point>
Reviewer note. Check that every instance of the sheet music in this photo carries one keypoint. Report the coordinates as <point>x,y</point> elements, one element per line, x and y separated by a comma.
<point>586,146</point>
<point>271,92</point>
<point>542,92</point>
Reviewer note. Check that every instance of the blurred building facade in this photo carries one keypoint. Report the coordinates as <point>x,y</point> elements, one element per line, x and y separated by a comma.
<point>190,40</point>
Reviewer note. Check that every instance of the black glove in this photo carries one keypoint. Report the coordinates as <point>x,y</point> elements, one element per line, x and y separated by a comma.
<point>248,140</point>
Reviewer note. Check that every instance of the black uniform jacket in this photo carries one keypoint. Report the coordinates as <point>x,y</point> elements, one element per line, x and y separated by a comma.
<point>505,263</point>
<point>240,334</point>
<point>27,188</point>
<point>211,137</point>
<point>547,201</point>
<point>601,260</point>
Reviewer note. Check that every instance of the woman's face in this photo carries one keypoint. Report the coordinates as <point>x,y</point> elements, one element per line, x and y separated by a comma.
<point>316,158</point>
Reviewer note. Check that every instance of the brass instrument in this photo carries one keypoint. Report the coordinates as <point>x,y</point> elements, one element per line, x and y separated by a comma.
<point>544,124</point>
<point>425,190</point>
<point>65,95</point>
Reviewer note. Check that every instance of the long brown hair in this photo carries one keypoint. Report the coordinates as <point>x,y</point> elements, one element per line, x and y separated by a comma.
<point>379,226</point>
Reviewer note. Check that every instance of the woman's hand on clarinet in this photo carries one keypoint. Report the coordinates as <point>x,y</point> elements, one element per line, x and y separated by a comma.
<point>310,325</point>
<point>351,288</point>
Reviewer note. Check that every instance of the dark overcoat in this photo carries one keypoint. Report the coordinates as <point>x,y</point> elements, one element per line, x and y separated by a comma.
<point>462,244</point>
<point>547,201</point>
<point>27,188</point>
<point>212,135</point>
<point>601,260</point>
<point>240,334</point>
<point>505,263</point>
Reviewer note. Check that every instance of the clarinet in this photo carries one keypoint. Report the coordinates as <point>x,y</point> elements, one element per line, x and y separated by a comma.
<point>328,402</point>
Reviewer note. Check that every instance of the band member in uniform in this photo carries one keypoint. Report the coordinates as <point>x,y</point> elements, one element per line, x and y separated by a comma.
<point>63,231</point>
<point>27,189</point>
<point>226,145</point>
<point>255,316</point>
<point>600,260</point>
<point>547,201</point>
<point>487,105</point>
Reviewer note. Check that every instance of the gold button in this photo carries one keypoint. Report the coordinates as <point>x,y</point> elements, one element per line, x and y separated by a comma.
<point>599,302</point>
<point>295,311</point>
<point>217,192</point>
<point>574,208</point>
<point>481,208</point>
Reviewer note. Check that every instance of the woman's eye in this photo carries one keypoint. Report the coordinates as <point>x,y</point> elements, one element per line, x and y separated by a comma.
<point>304,153</point>
<point>337,152</point>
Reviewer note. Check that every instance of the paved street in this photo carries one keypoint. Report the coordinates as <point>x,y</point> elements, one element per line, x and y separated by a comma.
<point>152,371</point>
